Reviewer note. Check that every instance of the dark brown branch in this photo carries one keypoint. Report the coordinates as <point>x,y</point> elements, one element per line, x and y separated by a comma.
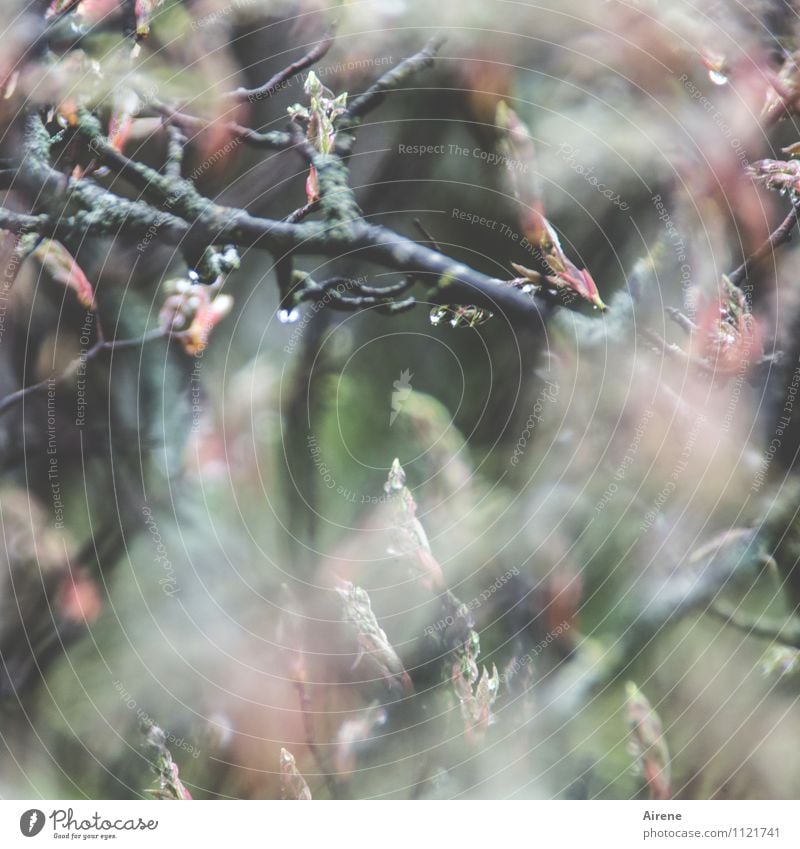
<point>713,369</point>
<point>101,346</point>
<point>781,235</point>
<point>734,560</point>
<point>336,198</point>
<point>176,144</point>
<point>302,213</point>
<point>682,320</point>
<point>786,633</point>
<point>128,18</point>
<point>670,349</point>
<point>451,282</point>
<point>347,294</point>
<point>159,187</point>
<point>189,216</point>
<point>267,141</point>
<point>393,79</point>
<point>20,222</point>
<point>274,84</point>
<point>218,225</point>
<point>426,235</point>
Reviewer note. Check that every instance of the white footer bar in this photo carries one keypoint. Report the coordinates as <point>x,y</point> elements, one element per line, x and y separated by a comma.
<point>401,825</point>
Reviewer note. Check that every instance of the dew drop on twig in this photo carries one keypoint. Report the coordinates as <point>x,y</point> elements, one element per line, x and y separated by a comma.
<point>288,316</point>
<point>437,315</point>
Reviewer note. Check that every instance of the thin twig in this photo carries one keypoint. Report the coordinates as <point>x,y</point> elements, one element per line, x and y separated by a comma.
<point>426,235</point>
<point>374,95</point>
<point>302,212</point>
<point>14,398</point>
<point>682,320</point>
<point>346,294</point>
<point>715,369</point>
<point>788,102</point>
<point>670,349</point>
<point>785,633</point>
<point>269,141</point>
<point>782,234</point>
<point>274,84</point>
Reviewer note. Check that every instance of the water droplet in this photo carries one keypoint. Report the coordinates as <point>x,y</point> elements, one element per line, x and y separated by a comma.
<point>717,77</point>
<point>437,315</point>
<point>288,316</point>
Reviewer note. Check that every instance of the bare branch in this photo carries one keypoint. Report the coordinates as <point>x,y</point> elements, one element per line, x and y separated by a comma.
<point>781,235</point>
<point>273,85</point>
<point>80,208</point>
<point>785,633</point>
<point>302,212</point>
<point>268,141</point>
<point>682,320</point>
<point>176,144</point>
<point>427,235</point>
<point>342,293</point>
<point>393,79</point>
<point>101,346</point>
